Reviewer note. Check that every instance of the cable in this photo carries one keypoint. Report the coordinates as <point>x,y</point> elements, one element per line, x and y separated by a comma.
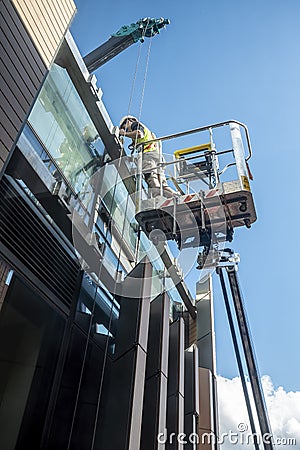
<point>134,79</point>
<point>144,84</point>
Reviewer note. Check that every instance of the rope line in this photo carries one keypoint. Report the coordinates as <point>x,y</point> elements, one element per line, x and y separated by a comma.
<point>144,84</point>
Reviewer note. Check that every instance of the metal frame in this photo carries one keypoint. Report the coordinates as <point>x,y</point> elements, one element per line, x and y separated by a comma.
<point>176,160</point>
<point>206,128</point>
<point>261,410</point>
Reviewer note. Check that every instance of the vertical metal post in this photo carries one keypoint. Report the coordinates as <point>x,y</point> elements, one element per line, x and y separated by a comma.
<point>239,154</point>
<point>238,356</point>
<point>160,167</point>
<point>139,180</point>
<point>214,158</point>
<point>250,358</point>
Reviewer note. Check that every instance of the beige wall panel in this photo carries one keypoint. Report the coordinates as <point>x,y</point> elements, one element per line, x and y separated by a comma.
<point>57,16</point>
<point>50,24</point>
<point>65,8</point>
<point>71,6</point>
<point>55,6</point>
<point>47,21</point>
<point>34,32</point>
<point>45,28</point>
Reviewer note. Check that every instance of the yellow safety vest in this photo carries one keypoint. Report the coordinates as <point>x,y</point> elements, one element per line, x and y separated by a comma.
<point>148,136</point>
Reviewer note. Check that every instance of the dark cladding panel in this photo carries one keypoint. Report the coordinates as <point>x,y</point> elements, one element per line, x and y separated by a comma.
<point>22,74</point>
<point>191,396</point>
<point>206,355</point>
<point>77,401</point>
<point>154,411</point>
<point>206,422</point>
<point>176,358</point>
<point>31,334</point>
<point>205,325</point>
<point>155,398</point>
<point>175,422</point>
<point>121,421</point>
<point>133,323</point>
<point>190,430</point>
<point>175,403</point>
<point>120,424</point>
<point>158,343</point>
<point>4,138</point>
<point>191,381</point>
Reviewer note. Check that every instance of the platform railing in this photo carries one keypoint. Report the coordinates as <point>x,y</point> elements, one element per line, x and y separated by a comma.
<point>237,150</point>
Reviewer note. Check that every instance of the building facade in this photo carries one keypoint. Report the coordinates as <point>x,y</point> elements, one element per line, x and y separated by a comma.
<point>101,345</point>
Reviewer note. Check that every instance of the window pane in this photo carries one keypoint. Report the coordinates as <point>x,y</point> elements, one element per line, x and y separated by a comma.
<point>103,322</point>
<point>65,128</point>
<point>30,340</point>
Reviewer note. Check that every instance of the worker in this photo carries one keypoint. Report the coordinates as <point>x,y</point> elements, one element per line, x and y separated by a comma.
<point>151,156</point>
<point>90,134</point>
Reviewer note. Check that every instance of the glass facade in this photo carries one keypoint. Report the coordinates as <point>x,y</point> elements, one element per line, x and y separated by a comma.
<point>97,313</point>
<point>30,339</point>
<point>64,127</point>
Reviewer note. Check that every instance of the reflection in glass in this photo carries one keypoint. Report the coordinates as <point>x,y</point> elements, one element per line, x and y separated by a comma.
<point>62,123</point>
<point>30,340</point>
<point>97,313</point>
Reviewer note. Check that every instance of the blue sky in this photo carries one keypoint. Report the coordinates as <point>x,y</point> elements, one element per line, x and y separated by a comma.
<point>221,60</point>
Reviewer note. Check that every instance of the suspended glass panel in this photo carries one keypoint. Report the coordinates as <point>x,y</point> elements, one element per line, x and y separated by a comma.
<point>62,123</point>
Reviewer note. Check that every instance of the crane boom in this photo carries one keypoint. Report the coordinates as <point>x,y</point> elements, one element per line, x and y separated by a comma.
<point>122,39</point>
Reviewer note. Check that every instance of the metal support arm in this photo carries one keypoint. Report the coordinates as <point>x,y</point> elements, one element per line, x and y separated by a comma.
<point>247,345</point>
<point>250,357</point>
<point>126,36</point>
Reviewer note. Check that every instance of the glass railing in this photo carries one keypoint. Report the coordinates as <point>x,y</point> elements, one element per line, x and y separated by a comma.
<point>198,159</point>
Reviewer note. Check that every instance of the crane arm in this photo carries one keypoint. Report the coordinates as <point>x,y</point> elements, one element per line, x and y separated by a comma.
<point>122,39</point>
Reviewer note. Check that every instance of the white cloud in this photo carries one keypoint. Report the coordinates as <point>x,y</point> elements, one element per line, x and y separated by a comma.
<point>283,409</point>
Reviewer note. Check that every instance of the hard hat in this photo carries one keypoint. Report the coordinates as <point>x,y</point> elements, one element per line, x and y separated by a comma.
<point>125,118</point>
